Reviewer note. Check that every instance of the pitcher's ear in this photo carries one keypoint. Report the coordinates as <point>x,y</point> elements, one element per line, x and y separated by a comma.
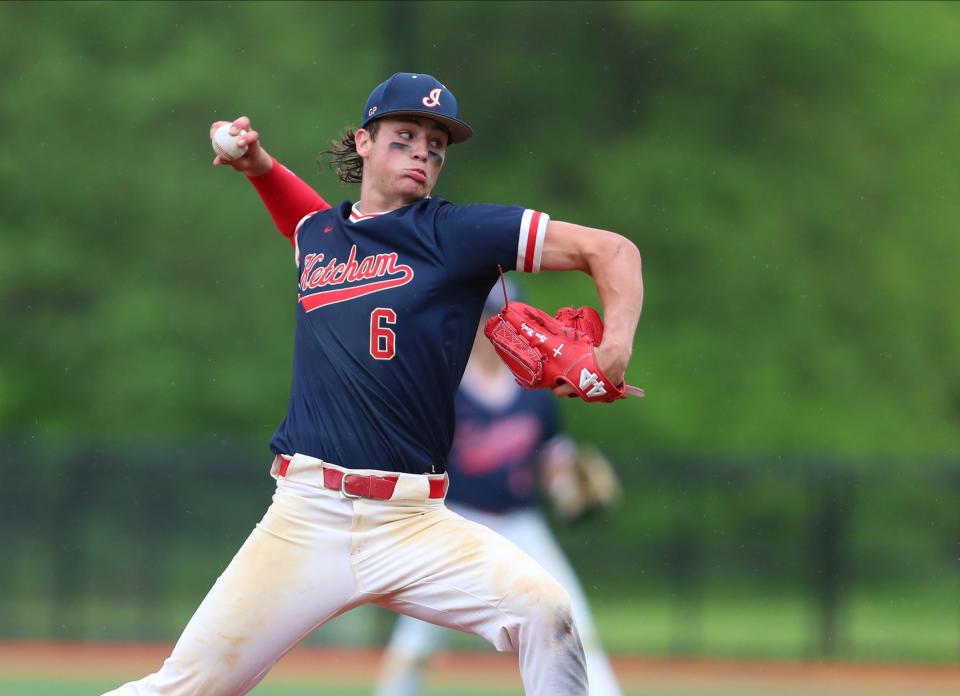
<point>363,140</point>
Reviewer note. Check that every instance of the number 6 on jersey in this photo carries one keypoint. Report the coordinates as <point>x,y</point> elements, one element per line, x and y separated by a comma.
<point>383,341</point>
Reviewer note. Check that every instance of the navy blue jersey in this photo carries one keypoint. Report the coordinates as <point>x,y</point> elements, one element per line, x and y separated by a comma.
<point>494,463</point>
<point>387,309</point>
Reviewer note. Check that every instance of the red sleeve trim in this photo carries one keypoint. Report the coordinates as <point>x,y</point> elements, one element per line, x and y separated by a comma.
<point>287,197</point>
<point>533,229</point>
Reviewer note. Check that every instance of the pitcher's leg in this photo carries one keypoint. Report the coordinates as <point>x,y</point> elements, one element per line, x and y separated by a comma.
<point>530,532</point>
<point>472,579</point>
<point>404,661</point>
<point>276,590</point>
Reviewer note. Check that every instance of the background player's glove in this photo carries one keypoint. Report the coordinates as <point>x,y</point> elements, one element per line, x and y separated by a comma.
<point>544,352</point>
<point>580,480</point>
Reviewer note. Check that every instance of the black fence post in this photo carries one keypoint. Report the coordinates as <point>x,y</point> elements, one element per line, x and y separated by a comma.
<point>955,472</point>
<point>69,567</point>
<point>685,566</point>
<point>831,495</point>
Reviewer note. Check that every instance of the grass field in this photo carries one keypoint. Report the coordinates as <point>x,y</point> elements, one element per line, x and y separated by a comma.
<point>75,669</point>
<point>86,688</point>
<point>883,625</point>
<point>893,643</point>
<point>755,642</point>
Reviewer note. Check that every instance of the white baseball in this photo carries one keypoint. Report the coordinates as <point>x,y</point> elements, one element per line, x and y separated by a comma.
<point>225,144</point>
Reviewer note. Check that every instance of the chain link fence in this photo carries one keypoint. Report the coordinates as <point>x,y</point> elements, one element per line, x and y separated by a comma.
<point>795,558</point>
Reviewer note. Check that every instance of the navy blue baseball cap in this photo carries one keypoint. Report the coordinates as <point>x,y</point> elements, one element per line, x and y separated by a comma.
<point>416,94</point>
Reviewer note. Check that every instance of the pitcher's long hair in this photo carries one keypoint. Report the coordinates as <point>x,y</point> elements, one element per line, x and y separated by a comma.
<point>344,159</point>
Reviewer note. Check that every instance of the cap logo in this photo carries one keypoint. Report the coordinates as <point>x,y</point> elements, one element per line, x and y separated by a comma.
<point>372,111</point>
<point>433,100</point>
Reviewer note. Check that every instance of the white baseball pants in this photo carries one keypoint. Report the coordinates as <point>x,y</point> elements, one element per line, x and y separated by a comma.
<point>317,554</point>
<point>413,642</point>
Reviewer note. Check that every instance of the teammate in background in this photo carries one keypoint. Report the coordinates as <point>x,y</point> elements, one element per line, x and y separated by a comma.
<point>389,294</point>
<point>506,445</point>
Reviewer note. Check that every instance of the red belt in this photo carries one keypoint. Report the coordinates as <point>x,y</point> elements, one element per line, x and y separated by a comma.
<point>366,485</point>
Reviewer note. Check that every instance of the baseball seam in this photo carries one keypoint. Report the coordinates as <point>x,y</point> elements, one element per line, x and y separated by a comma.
<point>224,154</point>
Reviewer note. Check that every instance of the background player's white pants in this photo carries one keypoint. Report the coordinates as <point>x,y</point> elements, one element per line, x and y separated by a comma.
<point>414,641</point>
<point>317,554</point>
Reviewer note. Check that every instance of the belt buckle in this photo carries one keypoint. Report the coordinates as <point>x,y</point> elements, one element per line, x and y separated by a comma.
<point>343,487</point>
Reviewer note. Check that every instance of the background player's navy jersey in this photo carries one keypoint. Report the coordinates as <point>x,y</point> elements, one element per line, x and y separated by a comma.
<point>388,306</point>
<point>493,464</point>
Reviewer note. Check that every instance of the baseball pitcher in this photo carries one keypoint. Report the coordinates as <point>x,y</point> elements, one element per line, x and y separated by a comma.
<point>389,291</point>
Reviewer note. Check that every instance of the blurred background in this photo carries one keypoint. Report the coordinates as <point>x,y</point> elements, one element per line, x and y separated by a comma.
<point>789,171</point>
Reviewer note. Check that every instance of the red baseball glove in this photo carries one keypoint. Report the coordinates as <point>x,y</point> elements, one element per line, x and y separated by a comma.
<point>544,351</point>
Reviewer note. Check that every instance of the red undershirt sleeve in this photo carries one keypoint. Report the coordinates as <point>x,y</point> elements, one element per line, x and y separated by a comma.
<point>288,198</point>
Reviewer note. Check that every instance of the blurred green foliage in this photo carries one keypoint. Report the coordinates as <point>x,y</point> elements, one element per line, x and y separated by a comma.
<point>788,170</point>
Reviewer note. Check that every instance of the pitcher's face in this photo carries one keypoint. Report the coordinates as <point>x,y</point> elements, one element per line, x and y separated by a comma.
<point>405,156</point>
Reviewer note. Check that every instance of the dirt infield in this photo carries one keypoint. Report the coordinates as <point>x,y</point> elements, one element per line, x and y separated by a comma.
<point>123,661</point>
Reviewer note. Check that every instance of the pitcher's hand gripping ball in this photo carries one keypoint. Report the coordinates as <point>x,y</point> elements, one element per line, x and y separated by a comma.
<point>226,145</point>
<point>544,352</point>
